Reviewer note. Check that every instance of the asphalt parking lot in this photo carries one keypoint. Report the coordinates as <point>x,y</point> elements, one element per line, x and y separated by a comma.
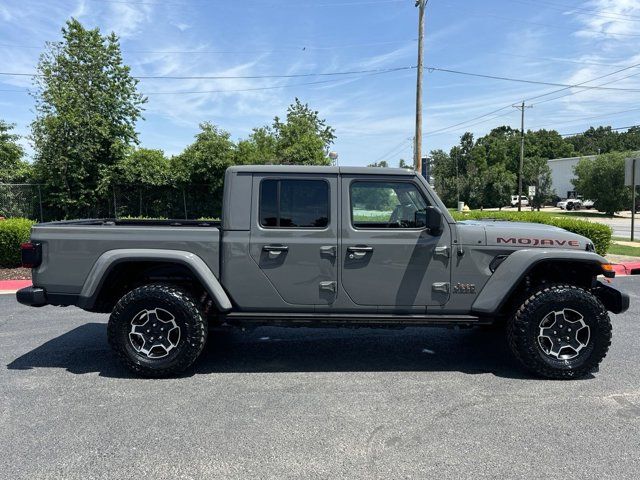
<point>304,403</point>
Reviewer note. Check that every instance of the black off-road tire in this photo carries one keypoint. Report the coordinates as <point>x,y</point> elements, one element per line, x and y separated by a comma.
<point>523,329</point>
<point>187,316</point>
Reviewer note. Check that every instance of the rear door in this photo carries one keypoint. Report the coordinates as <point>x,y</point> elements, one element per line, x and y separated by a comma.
<point>388,259</point>
<point>294,235</point>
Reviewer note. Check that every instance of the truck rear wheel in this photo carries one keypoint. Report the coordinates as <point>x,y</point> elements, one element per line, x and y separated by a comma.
<point>560,332</point>
<point>157,330</point>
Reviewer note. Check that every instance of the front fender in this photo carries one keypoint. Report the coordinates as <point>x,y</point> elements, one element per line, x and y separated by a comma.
<point>512,270</point>
<point>108,260</point>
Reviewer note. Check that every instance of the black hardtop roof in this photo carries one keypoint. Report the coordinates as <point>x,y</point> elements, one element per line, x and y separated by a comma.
<point>321,170</point>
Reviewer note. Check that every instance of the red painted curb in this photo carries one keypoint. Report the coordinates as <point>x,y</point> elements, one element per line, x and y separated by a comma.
<point>13,285</point>
<point>629,268</point>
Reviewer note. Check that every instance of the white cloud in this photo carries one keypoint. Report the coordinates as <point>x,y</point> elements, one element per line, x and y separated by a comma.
<point>611,19</point>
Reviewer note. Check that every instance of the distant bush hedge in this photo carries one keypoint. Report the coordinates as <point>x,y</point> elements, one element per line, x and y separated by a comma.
<point>598,233</point>
<point>13,232</point>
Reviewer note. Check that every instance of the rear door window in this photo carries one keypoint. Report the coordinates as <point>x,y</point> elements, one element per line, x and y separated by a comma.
<point>294,203</point>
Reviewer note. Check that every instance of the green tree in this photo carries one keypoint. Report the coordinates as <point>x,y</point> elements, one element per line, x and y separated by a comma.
<point>500,183</point>
<point>546,144</point>
<point>602,180</point>
<point>204,163</point>
<point>142,166</point>
<point>13,168</point>
<point>443,170</point>
<point>536,172</point>
<point>86,106</point>
<point>303,138</point>
<point>597,140</point>
<point>259,149</point>
<point>380,164</point>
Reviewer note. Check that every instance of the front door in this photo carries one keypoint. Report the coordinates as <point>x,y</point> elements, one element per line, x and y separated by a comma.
<point>388,258</point>
<point>294,236</point>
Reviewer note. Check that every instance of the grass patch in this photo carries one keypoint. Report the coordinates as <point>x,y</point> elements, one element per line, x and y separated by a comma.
<point>617,249</point>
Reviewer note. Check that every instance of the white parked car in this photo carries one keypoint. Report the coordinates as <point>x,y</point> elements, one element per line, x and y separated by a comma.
<point>588,204</point>
<point>523,200</point>
<point>570,204</point>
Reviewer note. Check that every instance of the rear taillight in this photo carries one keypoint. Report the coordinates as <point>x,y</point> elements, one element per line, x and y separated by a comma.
<point>31,254</point>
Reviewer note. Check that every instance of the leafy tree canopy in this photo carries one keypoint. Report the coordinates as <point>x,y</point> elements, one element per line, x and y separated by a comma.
<point>87,106</point>
<point>13,168</point>
<point>601,179</point>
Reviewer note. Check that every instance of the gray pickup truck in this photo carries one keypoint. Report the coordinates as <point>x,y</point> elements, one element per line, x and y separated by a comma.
<point>327,246</point>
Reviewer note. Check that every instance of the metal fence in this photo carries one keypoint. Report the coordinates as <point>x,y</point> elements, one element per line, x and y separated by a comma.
<point>188,202</point>
<point>21,200</point>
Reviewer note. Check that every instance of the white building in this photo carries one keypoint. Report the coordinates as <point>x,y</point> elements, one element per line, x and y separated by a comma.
<point>562,174</point>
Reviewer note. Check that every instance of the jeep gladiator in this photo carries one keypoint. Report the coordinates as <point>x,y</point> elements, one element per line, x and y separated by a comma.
<point>327,246</point>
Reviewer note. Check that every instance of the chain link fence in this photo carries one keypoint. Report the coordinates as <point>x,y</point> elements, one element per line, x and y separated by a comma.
<point>167,202</point>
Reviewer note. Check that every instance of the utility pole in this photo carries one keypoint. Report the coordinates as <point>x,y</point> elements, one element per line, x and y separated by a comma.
<point>417,161</point>
<point>521,107</point>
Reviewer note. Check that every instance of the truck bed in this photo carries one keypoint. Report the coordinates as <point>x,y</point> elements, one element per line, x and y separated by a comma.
<point>71,248</point>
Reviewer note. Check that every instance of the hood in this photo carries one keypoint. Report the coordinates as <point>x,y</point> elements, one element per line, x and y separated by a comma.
<point>527,235</point>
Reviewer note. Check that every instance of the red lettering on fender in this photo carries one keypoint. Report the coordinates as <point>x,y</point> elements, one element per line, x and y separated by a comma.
<point>538,241</point>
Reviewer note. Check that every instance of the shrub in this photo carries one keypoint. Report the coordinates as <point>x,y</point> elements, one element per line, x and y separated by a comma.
<point>13,232</point>
<point>598,233</point>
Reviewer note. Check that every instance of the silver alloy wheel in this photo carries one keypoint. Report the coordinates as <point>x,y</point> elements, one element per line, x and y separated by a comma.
<point>563,334</point>
<point>154,333</point>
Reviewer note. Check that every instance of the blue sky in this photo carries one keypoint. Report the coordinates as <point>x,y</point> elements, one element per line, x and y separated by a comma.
<point>560,41</point>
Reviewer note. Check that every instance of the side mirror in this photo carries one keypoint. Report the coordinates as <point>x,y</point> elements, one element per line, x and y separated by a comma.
<point>431,218</point>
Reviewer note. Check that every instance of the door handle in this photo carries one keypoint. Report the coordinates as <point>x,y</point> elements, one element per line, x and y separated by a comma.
<point>356,253</point>
<point>360,249</point>
<point>275,249</point>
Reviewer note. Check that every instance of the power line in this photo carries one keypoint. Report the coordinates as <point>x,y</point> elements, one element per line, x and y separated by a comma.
<point>609,114</point>
<point>273,87</point>
<point>447,129</point>
<point>594,13</point>
<point>557,59</point>
<point>557,27</point>
<point>361,72</point>
<point>615,129</point>
<point>301,48</point>
<point>242,77</point>
<point>395,150</point>
<point>587,81</point>
<point>535,82</point>
<point>191,4</point>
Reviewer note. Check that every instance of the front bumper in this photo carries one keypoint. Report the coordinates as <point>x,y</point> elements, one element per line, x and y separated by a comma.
<point>32,296</point>
<point>614,300</point>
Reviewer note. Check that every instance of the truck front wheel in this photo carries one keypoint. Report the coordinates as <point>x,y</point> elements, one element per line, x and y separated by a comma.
<point>560,332</point>
<point>157,330</point>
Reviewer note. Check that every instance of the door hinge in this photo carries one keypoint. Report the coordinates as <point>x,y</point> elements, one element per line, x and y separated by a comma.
<point>444,251</point>
<point>329,286</point>
<point>441,287</point>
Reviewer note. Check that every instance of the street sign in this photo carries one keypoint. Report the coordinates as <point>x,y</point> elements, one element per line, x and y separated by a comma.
<point>628,171</point>
<point>532,190</point>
